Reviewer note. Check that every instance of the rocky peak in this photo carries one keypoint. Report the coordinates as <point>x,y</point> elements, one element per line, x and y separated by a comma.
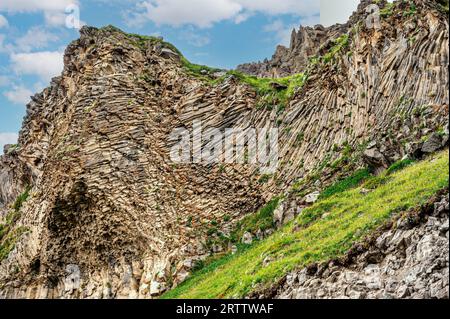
<point>305,43</point>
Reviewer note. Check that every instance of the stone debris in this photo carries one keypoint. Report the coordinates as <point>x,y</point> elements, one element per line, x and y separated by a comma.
<point>247,238</point>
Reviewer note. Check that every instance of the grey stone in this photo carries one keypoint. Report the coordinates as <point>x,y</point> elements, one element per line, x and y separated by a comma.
<point>312,198</point>
<point>247,238</point>
<point>433,144</point>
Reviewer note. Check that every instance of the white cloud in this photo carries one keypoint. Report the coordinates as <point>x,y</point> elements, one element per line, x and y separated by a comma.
<point>46,64</point>
<point>35,38</point>
<point>3,22</point>
<point>35,5</point>
<point>7,138</point>
<point>19,95</point>
<point>204,13</point>
<point>54,10</point>
<point>194,38</point>
<point>332,11</point>
<point>283,32</point>
<point>4,47</point>
<point>55,18</point>
<point>294,7</point>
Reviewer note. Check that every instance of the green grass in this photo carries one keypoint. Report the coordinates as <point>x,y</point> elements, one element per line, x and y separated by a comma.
<point>399,165</point>
<point>322,232</point>
<point>350,182</point>
<point>21,199</point>
<point>8,234</point>
<point>9,240</point>
<point>262,220</point>
<point>388,10</point>
<point>273,92</point>
<point>339,45</point>
<point>443,5</point>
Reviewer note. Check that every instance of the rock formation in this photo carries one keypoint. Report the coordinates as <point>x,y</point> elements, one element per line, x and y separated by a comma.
<point>109,215</point>
<point>410,260</point>
<point>306,43</point>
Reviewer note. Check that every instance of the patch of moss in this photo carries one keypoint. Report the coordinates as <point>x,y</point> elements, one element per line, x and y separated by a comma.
<point>388,10</point>
<point>9,240</point>
<point>399,165</point>
<point>264,179</point>
<point>273,92</point>
<point>22,198</point>
<point>340,44</point>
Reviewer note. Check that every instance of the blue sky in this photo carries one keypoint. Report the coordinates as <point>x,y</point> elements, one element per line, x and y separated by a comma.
<point>220,33</point>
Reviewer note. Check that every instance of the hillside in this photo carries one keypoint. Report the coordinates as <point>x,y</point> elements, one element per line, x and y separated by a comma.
<point>324,232</point>
<point>93,205</point>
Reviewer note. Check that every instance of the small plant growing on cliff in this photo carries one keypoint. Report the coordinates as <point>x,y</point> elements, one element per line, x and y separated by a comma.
<point>339,45</point>
<point>9,235</point>
<point>387,11</point>
<point>12,149</point>
<point>264,179</point>
<point>262,220</point>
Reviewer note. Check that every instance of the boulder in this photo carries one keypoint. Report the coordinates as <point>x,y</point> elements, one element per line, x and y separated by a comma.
<point>433,144</point>
<point>375,159</point>
<point>169,54</point>
<point>312,198</point>
<point>155,288</point>
<point>247,239</point>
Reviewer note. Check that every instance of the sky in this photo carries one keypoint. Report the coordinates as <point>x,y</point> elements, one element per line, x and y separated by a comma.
<point>219,33</point>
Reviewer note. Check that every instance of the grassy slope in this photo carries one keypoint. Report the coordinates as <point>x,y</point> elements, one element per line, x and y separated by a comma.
<point>315,237</point>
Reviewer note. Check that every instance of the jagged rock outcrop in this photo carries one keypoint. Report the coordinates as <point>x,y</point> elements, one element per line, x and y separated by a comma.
<point>305,43</point>
<point>106,197</point>
<point>409,260</point>
<point>111,216</point>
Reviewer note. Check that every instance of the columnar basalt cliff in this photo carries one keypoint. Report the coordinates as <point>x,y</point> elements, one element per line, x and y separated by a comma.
<point>407,258</point>
<point>108,214</point>
<point>305,43</point>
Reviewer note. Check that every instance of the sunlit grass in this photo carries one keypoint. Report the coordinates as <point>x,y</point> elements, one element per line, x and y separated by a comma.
<point>324,231</point>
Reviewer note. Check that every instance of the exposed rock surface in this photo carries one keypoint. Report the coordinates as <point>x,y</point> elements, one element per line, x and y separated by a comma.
<point>305,43</point>
<point>106,197</point>
<point>410,260</point>
<point>111,216</point>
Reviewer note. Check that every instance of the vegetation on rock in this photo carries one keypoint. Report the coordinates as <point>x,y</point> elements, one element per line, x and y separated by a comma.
<point>9,235</point>
<point>322,232</point>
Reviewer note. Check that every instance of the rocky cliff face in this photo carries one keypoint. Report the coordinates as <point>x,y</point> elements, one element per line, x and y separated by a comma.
<point>408,258</point>
<point>110,215</point>
<point>306,43</point>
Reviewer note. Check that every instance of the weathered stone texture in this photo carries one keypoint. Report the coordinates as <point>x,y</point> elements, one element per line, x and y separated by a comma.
<point>407,261</point>
<point>107,200</point>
